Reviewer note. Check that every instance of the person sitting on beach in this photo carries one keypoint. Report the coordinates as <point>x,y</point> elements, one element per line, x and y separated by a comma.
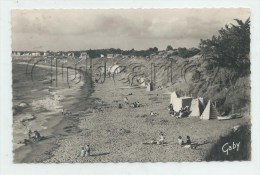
<point>153,141</point>
<point>126,101</point>
<point>37,135</point>
<point>25,142</point>
<point>87,149</point>
<point>188,142</point>
<point>180,114</point>
<point>172,113</point>
<point>186,108</point>
<point>119,105</point>
<point>170,108</point>
<point>138,104</point>
<point>161,140</point>
<point>180,141</point>
<point>153,113</point>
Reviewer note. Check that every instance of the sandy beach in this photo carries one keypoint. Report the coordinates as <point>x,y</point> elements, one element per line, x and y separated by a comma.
<point>117,135</point>
<point>91,116</point>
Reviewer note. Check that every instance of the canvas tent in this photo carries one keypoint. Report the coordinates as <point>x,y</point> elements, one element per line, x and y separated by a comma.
<point>201,101</point>
<point>149,87</point>
<point>196,108</point>
<point>178,103</point>
<point>142,81</point>
<point>174,95</point>
<point>210,112</point>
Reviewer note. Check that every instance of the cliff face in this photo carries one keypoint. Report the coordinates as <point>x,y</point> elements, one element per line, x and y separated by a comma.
<point>191,76</point>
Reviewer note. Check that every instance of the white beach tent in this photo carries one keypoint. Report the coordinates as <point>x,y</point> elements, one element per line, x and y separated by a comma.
<point>196,108</point>
<point>202,101</point>
<point>149,87</point>
<point>174,95</point>
<point>210,112</point>
<point>142,81</point>
<point>178,103</point>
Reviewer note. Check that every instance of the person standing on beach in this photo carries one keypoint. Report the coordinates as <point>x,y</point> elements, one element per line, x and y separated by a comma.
<point>87,149</point>
<point>188,142</point>
<point>180,141</point>
<point>30,134</point>
<point>82,152</point>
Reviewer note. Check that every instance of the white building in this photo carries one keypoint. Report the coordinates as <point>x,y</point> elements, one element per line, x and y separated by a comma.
<point>110,55</point>
<point>36,54</point>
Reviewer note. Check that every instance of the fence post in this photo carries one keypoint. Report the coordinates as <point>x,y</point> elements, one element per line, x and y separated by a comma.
<point>68,77</point>
<point>51,70</point>
<point>171,71</point>
<point>86,66</point>
<point>56,72</point>
<point>151,73</point>
<point>62,71</point>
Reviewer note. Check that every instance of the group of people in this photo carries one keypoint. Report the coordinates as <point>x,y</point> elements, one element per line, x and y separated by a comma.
<point>34,136</point>
<point>187,144</point>
<point>161,140</point>
<point>183,112</point>
<point>153,113</point>
<point>133,105</point>
<point>181,142</point>
<point>85,151</point>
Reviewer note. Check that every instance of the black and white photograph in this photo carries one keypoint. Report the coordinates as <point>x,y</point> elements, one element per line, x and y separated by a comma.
<point>131,85</point>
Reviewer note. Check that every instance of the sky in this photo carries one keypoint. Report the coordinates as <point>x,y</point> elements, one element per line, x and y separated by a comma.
<point>68,30</point>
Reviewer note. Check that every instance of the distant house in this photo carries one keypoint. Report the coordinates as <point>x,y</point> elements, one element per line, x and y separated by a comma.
<point>16,53</point>
<point>35,54</point>
<point>110,55</point>
<point>126,56</point>
<point>83,54</point>
<point>118,55</point>
<point>45,53</point>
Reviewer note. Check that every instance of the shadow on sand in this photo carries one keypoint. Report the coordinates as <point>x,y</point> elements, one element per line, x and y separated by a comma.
<point>99,154</point>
